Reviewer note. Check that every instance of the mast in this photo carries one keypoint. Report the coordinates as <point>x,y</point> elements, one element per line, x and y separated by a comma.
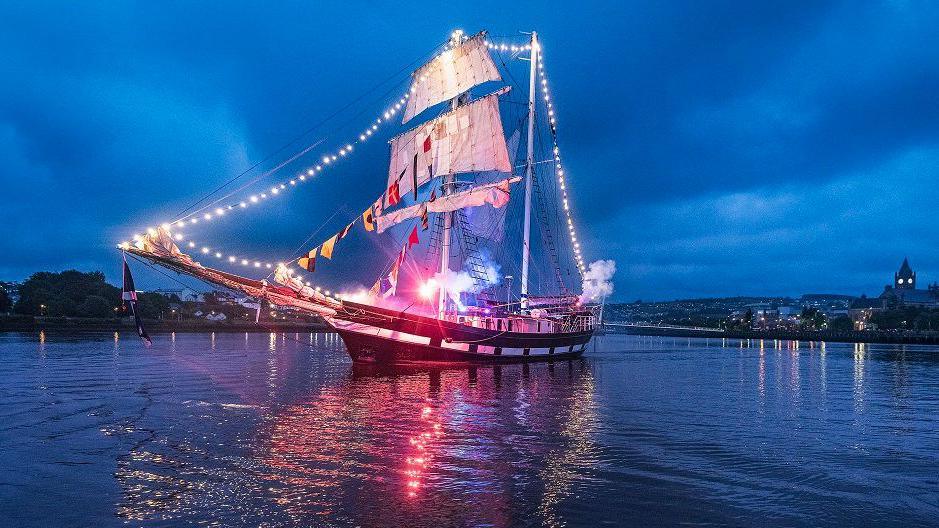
<point>447,218</point>
<point>529,167</point>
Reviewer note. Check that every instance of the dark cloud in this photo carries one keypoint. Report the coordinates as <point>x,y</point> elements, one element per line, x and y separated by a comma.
<point>723,147</point>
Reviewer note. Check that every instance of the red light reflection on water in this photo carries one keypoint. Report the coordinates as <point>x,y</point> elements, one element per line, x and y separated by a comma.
<point>421,444</point>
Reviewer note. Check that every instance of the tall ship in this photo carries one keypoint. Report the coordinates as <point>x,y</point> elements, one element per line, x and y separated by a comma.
<point>475,197</point>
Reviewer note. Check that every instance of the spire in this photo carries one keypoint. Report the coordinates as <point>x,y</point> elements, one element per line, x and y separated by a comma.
<point>905,278</point>
<point>905,270</point>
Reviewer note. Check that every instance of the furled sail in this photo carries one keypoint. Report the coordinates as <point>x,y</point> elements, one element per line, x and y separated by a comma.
<point>466,139</point>
<point>495,194</point>
<point>449,74</point>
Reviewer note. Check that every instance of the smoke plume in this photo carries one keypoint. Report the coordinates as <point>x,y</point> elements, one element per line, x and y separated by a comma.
<point>598,281</point>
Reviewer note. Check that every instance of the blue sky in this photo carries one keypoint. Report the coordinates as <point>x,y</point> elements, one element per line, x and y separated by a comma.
<point>713,148</point>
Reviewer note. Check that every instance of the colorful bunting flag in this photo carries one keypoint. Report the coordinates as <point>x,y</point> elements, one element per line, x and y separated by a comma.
<point>412,240</point>
<point>424,220</point>
<point>368,220</point>
<point>345,231</point>
<point>394,195</point>
<point>378,206</point>
<point>308,262</point>
<point>414,176</point>
<point>327,248</point>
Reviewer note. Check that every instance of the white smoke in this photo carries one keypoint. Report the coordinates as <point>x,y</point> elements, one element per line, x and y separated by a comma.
<point>457,282</point>
<point>598,281</point>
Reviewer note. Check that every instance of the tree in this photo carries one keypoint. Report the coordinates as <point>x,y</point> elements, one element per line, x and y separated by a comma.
<point>842,323</point>
<point>95,306</point>
<point>811,318</point>
<point>65,293</point>
<point>5,302</point>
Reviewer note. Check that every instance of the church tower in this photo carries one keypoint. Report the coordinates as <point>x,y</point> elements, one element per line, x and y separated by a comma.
<point>905,278</point>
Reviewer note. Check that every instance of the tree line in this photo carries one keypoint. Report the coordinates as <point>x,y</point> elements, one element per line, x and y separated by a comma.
<point>76,294</point>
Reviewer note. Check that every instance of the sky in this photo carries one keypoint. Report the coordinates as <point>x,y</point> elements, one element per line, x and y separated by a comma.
<point>712,148</point>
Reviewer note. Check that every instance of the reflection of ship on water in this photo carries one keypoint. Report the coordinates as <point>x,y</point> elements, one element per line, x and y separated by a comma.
<point>497,443</point>
<point>450,444</point>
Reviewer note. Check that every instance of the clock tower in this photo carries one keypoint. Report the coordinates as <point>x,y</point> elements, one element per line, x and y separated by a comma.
<point>905,278</point>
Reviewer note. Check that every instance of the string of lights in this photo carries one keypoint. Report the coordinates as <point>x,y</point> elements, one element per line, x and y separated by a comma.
<point>559,169</point>
<point>552,123</point>
<point>205,215</point>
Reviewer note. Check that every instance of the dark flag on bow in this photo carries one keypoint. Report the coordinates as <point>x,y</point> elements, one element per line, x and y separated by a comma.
<point>129,296</point>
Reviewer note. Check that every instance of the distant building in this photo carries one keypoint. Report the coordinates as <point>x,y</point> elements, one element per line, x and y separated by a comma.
<point>12,289</point>
<point>183,294</point>
<point>904,291</point>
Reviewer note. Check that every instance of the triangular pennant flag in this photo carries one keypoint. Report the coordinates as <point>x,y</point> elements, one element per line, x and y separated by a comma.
<point>327,249</point>
<point>412,239</point>
<point>368,220</point>
<point>345,231</point>
<point>129,295</point>
<point>414,176</point>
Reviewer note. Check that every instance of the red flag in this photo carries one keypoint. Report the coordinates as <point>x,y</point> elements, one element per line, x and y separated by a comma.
<point>344,232</point>
<point>426,144</point>
<point>412,239</point>
<point>393,194</point>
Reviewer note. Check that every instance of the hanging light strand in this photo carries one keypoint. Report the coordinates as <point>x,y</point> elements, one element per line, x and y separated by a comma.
<point>559,168</point>
<point>324,162</point>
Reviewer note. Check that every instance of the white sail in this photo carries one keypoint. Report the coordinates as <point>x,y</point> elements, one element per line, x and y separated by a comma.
<point>467,139</point>
<point>495,194</point>
<point>449,74</point>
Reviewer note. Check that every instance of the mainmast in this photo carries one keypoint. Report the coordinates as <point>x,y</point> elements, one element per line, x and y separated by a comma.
<point>447,184</point>
<point>529,167</point>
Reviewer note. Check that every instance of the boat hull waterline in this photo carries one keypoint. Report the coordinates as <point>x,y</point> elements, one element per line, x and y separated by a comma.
<point>381,336</point>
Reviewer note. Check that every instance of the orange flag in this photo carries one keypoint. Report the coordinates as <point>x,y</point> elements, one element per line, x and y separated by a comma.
<point>327,248</point>
<point>368,220</point>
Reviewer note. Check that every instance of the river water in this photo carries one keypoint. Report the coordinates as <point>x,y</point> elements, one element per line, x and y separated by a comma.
<point>281,430</point>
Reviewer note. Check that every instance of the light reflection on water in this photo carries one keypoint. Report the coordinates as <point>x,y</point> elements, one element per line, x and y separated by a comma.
<point>281,430</point>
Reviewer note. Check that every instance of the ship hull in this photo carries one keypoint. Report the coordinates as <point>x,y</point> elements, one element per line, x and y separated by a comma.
<point>390,337</point>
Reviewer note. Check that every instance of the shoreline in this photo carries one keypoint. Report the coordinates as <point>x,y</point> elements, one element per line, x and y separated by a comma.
<point>34,324</point>
<point>900,338</point>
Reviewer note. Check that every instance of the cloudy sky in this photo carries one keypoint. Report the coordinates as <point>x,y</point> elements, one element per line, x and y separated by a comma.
<point>713,148</point>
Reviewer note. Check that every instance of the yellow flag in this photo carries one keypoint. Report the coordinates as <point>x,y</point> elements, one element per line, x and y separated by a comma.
<point>367,220</point>
<point>327,249</point>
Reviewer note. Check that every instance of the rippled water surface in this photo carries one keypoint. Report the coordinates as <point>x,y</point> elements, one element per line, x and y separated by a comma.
<point>281,430</point>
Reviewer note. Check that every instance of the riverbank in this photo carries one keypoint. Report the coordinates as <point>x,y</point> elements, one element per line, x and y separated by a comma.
<point>20,323</point>
<point>866,336</point>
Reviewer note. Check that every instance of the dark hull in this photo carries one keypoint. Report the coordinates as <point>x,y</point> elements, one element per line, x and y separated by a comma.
<point>381,350</point>
<point>381,336</point>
